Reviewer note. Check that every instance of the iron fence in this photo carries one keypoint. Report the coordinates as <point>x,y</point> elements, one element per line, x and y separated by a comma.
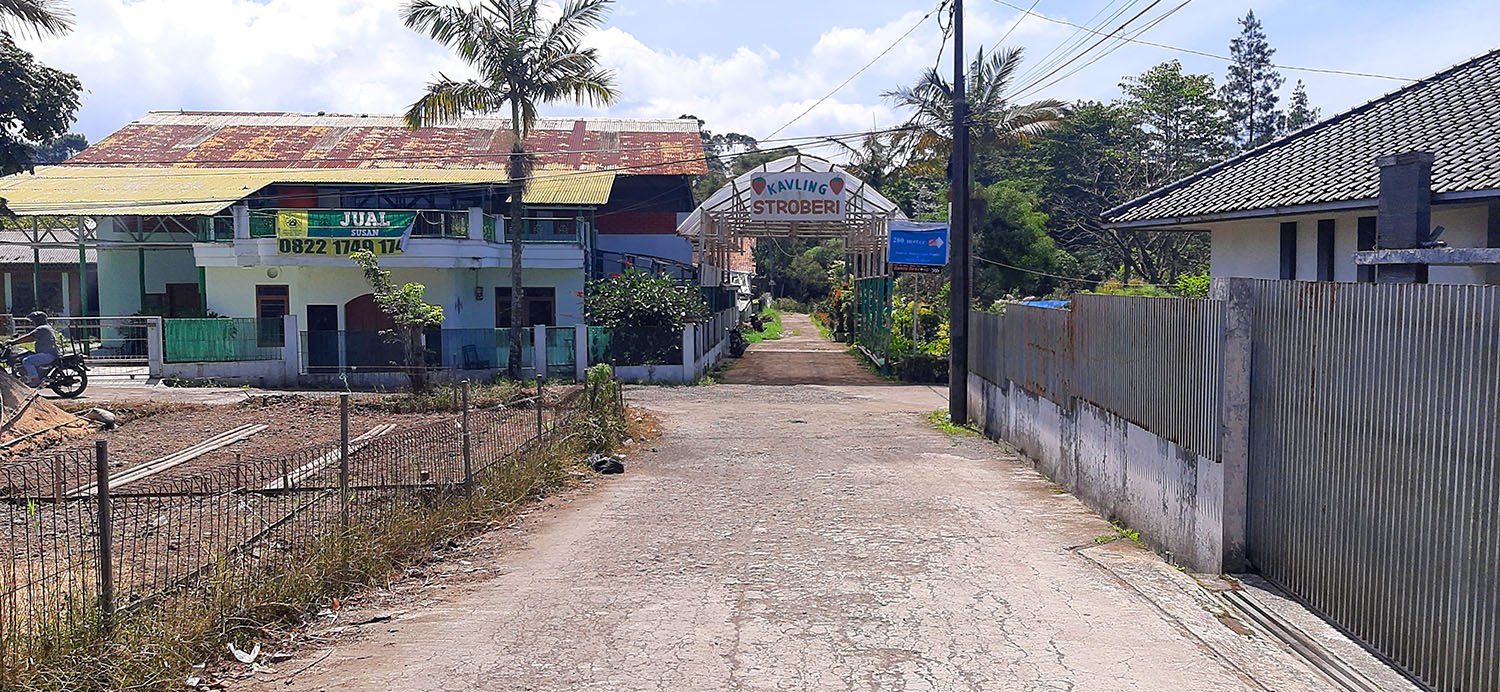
<point>70,559</point>
<point>222,339</point>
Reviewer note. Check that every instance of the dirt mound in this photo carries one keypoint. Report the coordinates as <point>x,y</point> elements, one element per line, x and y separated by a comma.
<point>28,421</point>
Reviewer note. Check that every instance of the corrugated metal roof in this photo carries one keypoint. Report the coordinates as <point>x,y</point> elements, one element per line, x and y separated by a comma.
<point>15,248</point>
<point>321,141</point>
<point>135,191</point>
<point>82,191</point>
<point>1453,115</point>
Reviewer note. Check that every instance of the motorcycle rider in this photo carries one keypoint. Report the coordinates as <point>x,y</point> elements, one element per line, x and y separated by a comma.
<point>45,347</point>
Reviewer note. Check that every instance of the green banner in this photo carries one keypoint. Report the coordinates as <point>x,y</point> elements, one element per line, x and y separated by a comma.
<point>325,232</point>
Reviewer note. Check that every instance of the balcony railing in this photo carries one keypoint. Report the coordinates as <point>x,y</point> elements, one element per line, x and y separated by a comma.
<point>430,223</point>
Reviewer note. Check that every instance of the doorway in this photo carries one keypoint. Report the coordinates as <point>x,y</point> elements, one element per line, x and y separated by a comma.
<point>322,338</point>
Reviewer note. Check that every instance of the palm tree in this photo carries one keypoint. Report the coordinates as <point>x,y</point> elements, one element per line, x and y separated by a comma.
<point>993,119</point>
<point>522,60</point>
<point>39,16</point>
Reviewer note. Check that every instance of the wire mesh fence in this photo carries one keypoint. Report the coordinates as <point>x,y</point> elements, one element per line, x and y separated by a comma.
<point>74,551</point>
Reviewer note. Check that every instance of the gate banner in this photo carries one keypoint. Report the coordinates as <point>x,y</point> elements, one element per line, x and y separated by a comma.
<point>917,246</point>
<point>797,197</point>
<point>325,232</point>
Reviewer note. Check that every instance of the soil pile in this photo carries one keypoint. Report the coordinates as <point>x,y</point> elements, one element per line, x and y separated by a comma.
<point>28,421</point>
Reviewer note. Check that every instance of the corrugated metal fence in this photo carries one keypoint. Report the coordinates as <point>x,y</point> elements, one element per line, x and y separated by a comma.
<point>1374,461</point>
<point>1156,362</point>
<point>1375,451</point>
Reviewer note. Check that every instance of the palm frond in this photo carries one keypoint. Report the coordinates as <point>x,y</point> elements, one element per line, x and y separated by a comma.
<point>39,17</point>
<point>447,100</point>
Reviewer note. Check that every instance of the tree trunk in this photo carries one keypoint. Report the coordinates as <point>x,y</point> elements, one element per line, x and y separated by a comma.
<point>416,358</point>
<point>515,227</point>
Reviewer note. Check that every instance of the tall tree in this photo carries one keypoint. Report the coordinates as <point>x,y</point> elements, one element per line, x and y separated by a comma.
<point>1251,86</point>
<point>522,60</point>
<point>1299,113</point>
<point>59,149</point>
<point>994,119</point>
<point>37,17</point>
<point>1183,120</point>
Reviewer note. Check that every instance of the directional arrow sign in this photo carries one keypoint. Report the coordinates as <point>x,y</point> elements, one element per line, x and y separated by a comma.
<point>915,244</point>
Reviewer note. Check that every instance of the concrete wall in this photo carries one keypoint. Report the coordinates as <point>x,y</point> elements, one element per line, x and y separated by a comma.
<point>1252,248</point>
<point>1173,497</point>
<point>119,276</point>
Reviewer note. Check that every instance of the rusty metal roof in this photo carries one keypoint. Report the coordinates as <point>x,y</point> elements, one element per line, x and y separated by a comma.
<point>322,141</point>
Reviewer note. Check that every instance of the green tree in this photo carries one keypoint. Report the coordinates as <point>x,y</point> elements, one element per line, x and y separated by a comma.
<point>522,60</point>
<point>1299,113</point>
<point>59,149</point>
<point>720,152</point>
<point>37,103</point>
<point>407,308</point>
<point>1183,120</point>
<point>1013,253</point>
<point>1251,86</point>
<point>994,120</point>
<point>38,17</point>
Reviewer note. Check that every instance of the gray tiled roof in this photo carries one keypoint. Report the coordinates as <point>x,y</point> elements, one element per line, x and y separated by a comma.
<point>1455,115</point>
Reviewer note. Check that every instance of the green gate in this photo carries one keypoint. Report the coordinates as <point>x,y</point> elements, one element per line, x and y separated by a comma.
<point>872,318</point>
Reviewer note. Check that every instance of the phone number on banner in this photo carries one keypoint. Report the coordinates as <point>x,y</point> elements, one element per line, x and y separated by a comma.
<point>337,246</point>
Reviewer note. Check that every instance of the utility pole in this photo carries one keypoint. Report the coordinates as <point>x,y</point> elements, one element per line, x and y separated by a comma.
<point>958,235</point>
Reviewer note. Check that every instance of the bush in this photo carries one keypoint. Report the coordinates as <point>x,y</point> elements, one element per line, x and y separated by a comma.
<point>1192,285</point>
<point>921,367</point>
<point>789,305</point>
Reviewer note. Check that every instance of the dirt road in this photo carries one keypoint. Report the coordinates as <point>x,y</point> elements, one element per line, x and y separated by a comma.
<point>809,538</point>
<point>800,356</point>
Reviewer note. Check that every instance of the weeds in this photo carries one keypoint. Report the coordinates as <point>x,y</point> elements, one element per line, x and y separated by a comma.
<point>939,419</point>
<point>771,329</point>
<point>1121,531</point>
<point>158,646</point>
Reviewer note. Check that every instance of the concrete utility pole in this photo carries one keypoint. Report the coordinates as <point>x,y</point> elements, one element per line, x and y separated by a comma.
<point>958,235</point>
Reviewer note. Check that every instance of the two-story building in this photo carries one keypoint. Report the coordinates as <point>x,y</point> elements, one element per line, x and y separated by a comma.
<point>253,215</point>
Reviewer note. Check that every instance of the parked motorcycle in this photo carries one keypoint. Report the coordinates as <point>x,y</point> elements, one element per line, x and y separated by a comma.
<point>737,343</point>
<point>67,376</point>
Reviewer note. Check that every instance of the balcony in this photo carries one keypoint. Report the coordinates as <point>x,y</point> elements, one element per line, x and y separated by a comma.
<point>410,238</point>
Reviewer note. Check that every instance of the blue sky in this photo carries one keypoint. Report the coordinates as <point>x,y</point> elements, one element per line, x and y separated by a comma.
<point>742,66</point>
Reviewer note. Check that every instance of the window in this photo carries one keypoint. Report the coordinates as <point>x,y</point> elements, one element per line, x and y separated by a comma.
<point>271,304</point>
<point>1365,274</point>
<point>1326,239</point>
<point>1289,251</point>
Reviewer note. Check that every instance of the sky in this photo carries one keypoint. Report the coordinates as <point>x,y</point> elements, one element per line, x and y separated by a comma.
<point>753,67</point>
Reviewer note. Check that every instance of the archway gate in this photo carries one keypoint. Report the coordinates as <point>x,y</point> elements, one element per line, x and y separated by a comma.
<point>803,197</point>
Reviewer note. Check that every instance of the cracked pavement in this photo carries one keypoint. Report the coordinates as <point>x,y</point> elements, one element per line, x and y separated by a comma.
<point>806,537</point>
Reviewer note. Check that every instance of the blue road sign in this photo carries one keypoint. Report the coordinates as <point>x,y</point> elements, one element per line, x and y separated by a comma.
<point>918,245</point>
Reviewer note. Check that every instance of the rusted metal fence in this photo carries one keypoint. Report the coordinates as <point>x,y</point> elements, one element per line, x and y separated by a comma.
<point>1375,466</point>
<point>69,559</point>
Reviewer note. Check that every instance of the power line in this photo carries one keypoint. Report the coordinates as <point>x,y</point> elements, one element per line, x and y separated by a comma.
<point>987,260</point>
<point>1090,49</point>
<point>1120,41</point>
<point>1067,46</point>
<point>857,73</point>
<point>1205,54</point>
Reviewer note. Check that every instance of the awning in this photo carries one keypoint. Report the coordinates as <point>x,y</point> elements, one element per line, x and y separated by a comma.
<point>134,191</point>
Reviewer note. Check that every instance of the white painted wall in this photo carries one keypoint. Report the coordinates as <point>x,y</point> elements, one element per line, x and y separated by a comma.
<point>1252,248</point>
<point>231,290</point>
<point>119,276</point>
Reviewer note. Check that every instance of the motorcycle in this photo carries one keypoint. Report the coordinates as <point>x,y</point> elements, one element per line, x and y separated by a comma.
<point>67,376</point>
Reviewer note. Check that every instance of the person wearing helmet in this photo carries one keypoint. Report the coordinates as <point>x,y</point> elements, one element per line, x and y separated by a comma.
<point>44,339</point>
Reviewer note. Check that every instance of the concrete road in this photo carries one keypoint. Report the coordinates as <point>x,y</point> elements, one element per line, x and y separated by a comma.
<point>809,538</point>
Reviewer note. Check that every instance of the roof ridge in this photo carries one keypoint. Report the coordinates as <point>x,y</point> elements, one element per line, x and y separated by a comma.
<point>1279,142</point>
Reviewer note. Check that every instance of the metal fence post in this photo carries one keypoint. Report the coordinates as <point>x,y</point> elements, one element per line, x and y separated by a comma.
<point>468,447</point>
<point>344,459</point>
<point>106,532</point>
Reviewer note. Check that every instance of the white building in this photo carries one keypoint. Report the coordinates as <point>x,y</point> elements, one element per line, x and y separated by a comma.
<point>1302,206</point>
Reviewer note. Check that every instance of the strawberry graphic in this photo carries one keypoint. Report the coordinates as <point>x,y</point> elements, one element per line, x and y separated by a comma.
<point>759,184</point>
<point>837,185</point>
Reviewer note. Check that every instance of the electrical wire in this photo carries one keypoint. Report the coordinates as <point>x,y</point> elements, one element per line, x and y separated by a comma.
<point>1120,42</point>
<point>1205,54</point>
<point>986,260</point>
<point>858,72</point>
<point>1076,57</point>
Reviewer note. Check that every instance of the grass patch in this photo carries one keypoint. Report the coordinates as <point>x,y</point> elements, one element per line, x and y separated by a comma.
<point>157,647</point>
<point>1120,532</point>
<point>771,319</point>
<point>939,419</point>
<point>824,330</point>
